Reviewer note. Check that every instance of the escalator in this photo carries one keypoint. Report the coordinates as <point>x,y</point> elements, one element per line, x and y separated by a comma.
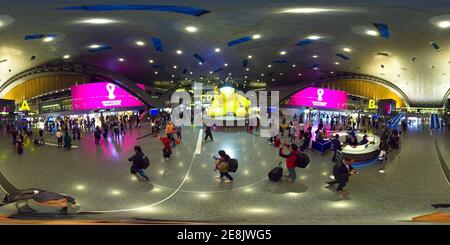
<point>393,123</point>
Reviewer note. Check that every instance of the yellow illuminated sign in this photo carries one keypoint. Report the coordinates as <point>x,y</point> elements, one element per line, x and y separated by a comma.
<point>24,106</point>
<point>372,104</point>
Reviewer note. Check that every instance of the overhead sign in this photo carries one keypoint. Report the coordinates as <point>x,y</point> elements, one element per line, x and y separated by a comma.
<point>24,106</point>
<point>320,98</point>
<point>373,104</point>
<point>94,96</point>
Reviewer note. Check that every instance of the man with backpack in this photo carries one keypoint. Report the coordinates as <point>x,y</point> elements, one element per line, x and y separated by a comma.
<point>222,164</point>
<point>291,161</point>
<point>140,162</point>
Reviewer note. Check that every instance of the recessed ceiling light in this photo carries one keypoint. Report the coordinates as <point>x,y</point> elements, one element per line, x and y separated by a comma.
<point>294,65</point>
<point>191,29</point>
<point>174,67</point>
<point>306,10</point>
<point>315,68</point>
<point>179,51</point>
<point>156,72</point>
<point>299,74</point>
<point>66,56</point>
<point>314,37</point>
<point>257,80</point>
<point>210,72</point>
<point>200,63</point>
<point>140,43</point>
<point>94,46</point>
<point>98,21</point>
<point>249,56</point>
<point>225,64</point>
<point>256,36</point>
<point>281,73</point>
<point>190,72</point>
<point>248,69</point>
<point>262,74</point>
<point>245,76</point>
<point>283,52</point>
<point>269,66</point>
<point>151,61</point>
<point>336,63</point>
<point>331,72</point>
<point>371,33</point>
<point>173,75</point>
<point>347,50</point>
<point>217,50</point>
<point>48,39</point>
<point>121,59</point>
<point>315,56</point>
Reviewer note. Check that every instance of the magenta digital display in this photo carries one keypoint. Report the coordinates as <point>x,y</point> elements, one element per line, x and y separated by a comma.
<point>93,96</point>
<point>320,98</point>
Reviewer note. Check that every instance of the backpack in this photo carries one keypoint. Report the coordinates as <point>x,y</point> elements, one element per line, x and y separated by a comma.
<point>302,160</point>
<point>232,165</point>
<point>145,162</point>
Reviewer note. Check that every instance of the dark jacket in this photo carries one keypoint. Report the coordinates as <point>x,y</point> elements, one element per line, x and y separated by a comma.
<point>337,145</point>
<point>341,172</point>
<point>136,159</point>
<point>222,164</point>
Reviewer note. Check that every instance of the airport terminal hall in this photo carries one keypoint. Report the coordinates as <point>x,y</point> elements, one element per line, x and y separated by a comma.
<point>224,112</point>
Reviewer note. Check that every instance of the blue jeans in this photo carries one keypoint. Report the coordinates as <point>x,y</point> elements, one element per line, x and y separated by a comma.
<point>292,173</point>
<point>141,173</point>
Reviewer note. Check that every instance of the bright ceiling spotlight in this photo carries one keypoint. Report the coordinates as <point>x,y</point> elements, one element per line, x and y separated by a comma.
<point>444,24</point>
<point>191,29</point>
<point>48,39</point>
<point>336,63</point>
<point>269,66</point>
<point>156,73</point>
<point>210,72</point>
<point>315,68</point>
<point>256,36</point>
<point>314,37</point>
<point>225,64</point>
<point>217,50</point>
<point>98,21</point>
<point>121,59</point>
<point>306,10</point>
<point>94,46</point>
<point>151,61</point>
<point>248,69</point>
<point>249,56</point>
<point>174,67</point>
<point>200,63</point>
<point>331,72</point>
<point>299,74</point>
<point>179,51</point>
<point>371,33</point>
<point>348,50</point>
<point>140,43</point>
<point>283,52</point>
<point>66,56</point>
<point>315,56</point>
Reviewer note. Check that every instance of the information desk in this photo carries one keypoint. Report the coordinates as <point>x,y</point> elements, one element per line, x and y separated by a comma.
<point>360,152</point>
<point>321,146</point>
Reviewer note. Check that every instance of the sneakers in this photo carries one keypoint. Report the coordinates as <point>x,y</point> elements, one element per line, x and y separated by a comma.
<point>381,171</point>
<point>342,192</point>
<point>228,181</point>
<point>218,177</point>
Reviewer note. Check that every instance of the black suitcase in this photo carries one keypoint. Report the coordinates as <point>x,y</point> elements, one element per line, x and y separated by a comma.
<point>276,173</point>
<point>20,150</point>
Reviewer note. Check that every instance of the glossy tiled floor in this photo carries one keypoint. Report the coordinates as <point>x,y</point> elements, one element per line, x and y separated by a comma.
<point>184,187</point>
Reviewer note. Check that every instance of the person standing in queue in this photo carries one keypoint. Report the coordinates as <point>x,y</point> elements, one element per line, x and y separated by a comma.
<point>307,138</point>
<point>19,140</point>
<point>137,159</point>
<point>97,135</point>
<point>221,165</point>
<point>208,133</point>
<point>59,138</point>
<point>169,132</point>
<point>105,131</point>
<point>341,172</point>
<point>67,141</point>
<point>336,146</point>
<point>291,159</point>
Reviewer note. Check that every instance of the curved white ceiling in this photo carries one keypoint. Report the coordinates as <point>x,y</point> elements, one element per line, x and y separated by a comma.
<point>412,25</point>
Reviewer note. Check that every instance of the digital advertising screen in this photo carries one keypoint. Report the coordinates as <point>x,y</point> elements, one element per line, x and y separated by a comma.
<point>320,98</point>
<point>103,95</point>
<point>386,107</point>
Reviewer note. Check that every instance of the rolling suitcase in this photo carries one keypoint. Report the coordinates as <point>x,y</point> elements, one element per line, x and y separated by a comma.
<point>276,173</point>
<point>167,152</point>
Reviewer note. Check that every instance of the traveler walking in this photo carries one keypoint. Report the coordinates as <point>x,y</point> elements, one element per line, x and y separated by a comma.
<point>59,138</point>
<point>291,159</point>
<point>341,172</point>
<point>140,162</point>
<point>222,166</point>
<point>208,133</point>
